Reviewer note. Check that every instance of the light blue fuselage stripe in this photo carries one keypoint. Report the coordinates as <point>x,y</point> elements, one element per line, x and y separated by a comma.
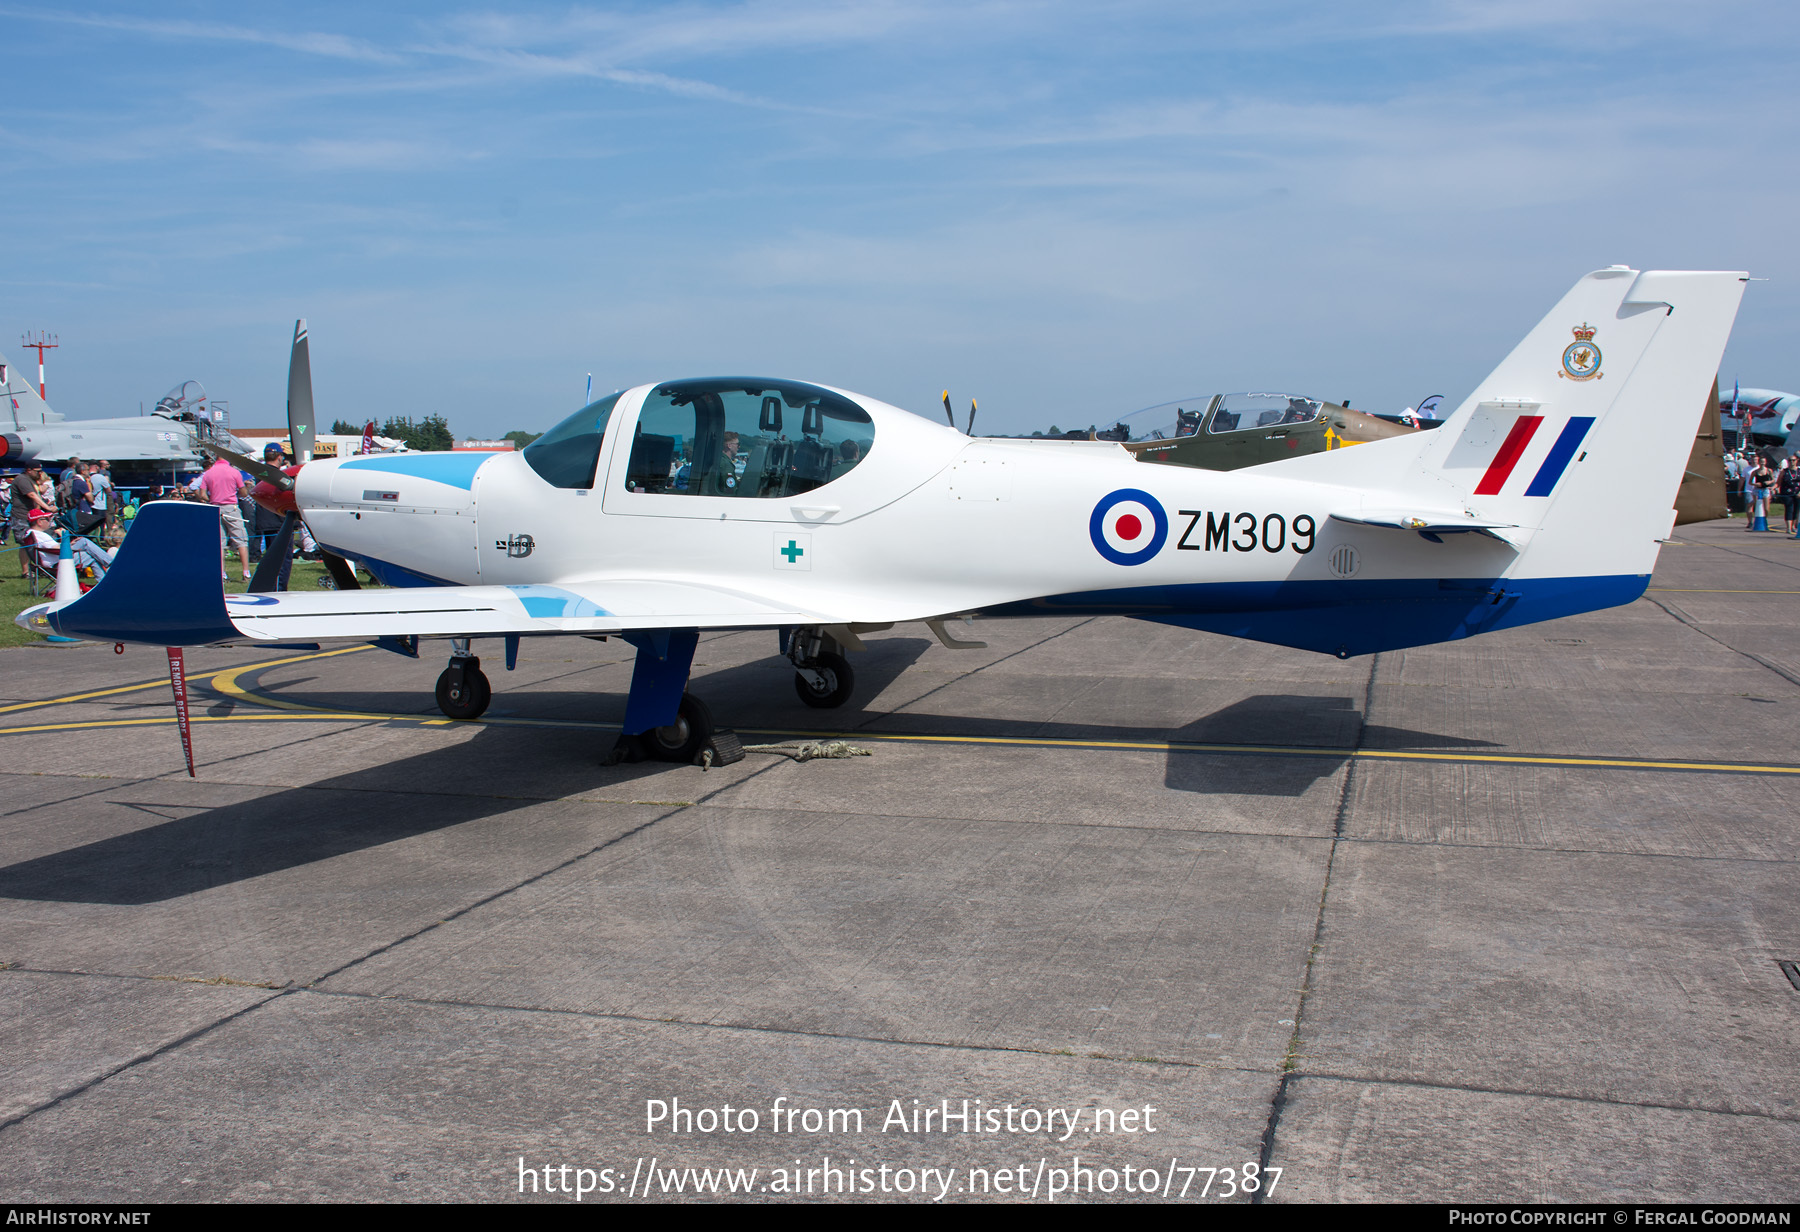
<point>1557,462</point>
<point>454,469</point>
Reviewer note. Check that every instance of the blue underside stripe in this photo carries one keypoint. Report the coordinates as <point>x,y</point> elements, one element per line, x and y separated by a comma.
<point>1558,459</point>
<point>389,574</point>
<point>1350,617</point>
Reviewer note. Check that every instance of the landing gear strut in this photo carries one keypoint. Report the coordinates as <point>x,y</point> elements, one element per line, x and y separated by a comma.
<point>822,677</point>
<point>463,691</point>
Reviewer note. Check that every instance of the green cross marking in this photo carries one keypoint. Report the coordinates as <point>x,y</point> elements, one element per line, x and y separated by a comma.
<point>793,551</point>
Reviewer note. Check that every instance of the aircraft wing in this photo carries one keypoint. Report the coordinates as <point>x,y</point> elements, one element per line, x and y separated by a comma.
<point>163,590</point>
<point>612,606</point>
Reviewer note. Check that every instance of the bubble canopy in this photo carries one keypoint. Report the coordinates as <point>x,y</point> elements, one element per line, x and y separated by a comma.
<point>1218,413</point>
<point>745,437</point>
<point>716,436</point>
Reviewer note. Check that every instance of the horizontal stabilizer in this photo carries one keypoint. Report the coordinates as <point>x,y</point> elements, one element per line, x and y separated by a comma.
<point>1437,521</point>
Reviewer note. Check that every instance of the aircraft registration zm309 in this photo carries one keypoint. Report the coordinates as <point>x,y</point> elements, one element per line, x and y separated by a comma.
<point>745,503</point>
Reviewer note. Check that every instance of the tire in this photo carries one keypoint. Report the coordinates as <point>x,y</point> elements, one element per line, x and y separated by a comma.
<point>471,701</point>
<point>682,740</point>
<point>839,684</point>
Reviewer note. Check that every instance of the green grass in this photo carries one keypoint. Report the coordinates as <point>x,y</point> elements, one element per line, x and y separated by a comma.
<point>15,592</point>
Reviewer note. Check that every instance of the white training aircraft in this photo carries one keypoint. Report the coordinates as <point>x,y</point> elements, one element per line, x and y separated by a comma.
<point>741,503</point>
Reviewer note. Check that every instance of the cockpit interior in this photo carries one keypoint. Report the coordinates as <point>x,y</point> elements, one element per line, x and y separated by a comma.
<point>731,436</point>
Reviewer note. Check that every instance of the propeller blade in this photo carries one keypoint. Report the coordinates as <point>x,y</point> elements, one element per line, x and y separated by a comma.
<point>178,682</point>
<point>948,413</point>
<point>341,572</point>
<point>971,431</point>
<point>301,429</point>
<point>278,551</point>
<point>262,470</point>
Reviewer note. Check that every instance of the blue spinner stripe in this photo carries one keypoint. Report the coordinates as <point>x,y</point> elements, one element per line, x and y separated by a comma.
<point>1573,433</point>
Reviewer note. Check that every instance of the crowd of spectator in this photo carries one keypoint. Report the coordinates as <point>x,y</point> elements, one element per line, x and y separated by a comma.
<point>84,501</point>
<point>1753,480</point>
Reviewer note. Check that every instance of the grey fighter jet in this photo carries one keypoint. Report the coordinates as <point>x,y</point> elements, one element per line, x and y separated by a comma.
<point>169,437</point>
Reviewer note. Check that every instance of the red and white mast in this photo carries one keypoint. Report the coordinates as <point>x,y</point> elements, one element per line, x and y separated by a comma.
<point>44,342</point>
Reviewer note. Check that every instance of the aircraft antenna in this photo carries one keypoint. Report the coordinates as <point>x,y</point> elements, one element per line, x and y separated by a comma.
<point>44,342</point>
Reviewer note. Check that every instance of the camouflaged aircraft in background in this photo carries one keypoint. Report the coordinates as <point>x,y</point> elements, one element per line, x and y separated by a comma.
<point>1225,432</point>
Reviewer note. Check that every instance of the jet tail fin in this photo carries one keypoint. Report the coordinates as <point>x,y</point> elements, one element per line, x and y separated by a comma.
<point>20,405</point>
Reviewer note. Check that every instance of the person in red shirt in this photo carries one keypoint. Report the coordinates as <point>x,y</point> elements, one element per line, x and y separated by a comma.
<point>47,547</point>
<point>222,482</point>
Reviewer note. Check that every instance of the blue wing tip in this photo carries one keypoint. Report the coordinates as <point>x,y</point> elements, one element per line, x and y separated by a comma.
<point>163,588</point>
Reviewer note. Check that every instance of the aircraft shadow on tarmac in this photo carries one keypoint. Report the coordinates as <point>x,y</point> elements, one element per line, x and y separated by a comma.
<point>755,694</point>
<point>479,778</point>
<point>472,780</point>
<point>1285,721</point>
<point>403,799</point>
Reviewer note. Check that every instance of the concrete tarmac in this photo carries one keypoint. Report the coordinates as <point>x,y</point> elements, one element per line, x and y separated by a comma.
<point>1500,920</point>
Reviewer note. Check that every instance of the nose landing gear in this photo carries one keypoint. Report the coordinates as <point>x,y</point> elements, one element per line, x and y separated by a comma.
<point>463,691</point>
<point>822,676</point>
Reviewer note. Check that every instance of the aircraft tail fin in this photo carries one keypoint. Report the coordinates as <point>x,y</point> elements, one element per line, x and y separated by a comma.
<point>1578,440</point>
<point>20,405</point>
<point>1582,434</point>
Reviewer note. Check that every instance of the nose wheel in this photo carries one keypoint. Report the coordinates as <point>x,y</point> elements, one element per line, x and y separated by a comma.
<point>463,691</point>
<point>825,682</point>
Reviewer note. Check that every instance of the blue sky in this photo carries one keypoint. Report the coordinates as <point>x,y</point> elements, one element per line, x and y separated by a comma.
<point>1066,210</point>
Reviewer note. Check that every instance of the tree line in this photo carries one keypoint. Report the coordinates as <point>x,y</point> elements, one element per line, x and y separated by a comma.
<point>429,433</point>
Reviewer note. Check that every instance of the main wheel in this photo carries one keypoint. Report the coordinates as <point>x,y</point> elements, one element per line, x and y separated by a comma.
<point>835,684</point>
<point>682,740</point>
<point>464,694</point>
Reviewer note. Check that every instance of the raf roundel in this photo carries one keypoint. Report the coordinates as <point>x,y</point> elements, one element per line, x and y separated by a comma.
<point>1128,526</point>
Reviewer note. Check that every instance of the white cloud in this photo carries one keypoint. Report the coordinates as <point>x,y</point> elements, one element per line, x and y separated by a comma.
<point>335,46</point>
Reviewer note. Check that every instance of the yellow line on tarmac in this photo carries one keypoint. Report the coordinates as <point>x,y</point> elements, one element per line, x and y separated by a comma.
<point>1617,763</point>
<point>163,680</point>
<point>225,681</point>
<point>169,721</point>
<point>1174,746</point>
<point>294,713</point>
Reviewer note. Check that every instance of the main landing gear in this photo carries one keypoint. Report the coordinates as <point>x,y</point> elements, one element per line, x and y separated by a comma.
<point>463,691</point>
<point>682,740</point>
<point>664,722</point>
<point>822,676</point>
